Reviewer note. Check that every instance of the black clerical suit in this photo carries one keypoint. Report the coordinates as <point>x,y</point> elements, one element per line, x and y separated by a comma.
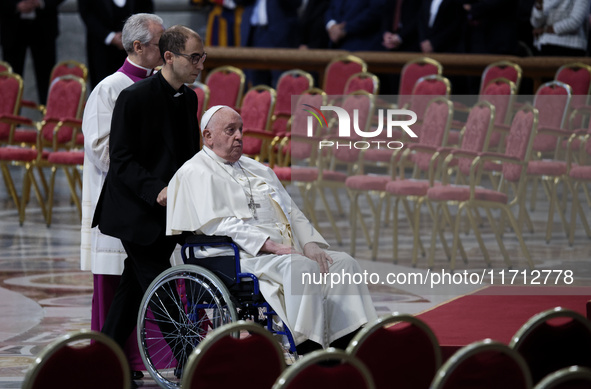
<point>154,130</point>
<point>17,34</point>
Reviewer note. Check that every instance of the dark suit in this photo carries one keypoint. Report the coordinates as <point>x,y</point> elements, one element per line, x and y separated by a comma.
<point>313,26</point>
<point>408,28</point>
<point>281,30</point>
<point>102,17</point>
<point>152,134</point>
<point>447,32</point>
<point>38,34</point>
<point>362,23</point>
<point>492,27</point>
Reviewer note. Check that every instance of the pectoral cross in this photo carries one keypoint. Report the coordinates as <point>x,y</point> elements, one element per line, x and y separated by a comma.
<point>253,207</point>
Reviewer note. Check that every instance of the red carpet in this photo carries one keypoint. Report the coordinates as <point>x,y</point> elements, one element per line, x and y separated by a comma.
<point>497,312</point>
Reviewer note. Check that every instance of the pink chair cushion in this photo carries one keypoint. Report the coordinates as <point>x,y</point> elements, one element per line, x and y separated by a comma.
<point>361,83</point>
<point>283,172</point>
<point>546,168</point>
<point>304,174</point>
<point>367,182</point>
<point>462,193</point>
<point>579,80</point>
<point>21,154</point>
<point>474,135</point>
<point>499,95</point>
<point>288,86</point>
<point>379,155</point>
<point>66,157</point>
<point>579,172</point>
<point>409,187</point>
<point>432,131</point>
<point>338,376</point>
<point>24,136</point>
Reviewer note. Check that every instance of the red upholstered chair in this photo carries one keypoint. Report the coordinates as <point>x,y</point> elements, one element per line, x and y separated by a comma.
<point>473,197</point>
<point>552,340</point>
<point>578,76</point>
<point>202,92</point>
<point>338,71</point>
<point>552,101</point>
<point>58,130</point>
<point>484,365</point>
<point>427,155</point>
<point>578,175</point>
<point>5,67</point>
<point>11,92</point>
<point>291,83</point>
<point>330,368</point>
<point>72,67</point>
<point>433,131</point>
<point>228,356</point>
<point>71,362</point>
<point>257,110</point>
<point>226,86</point>
<point>501,93</point>
<point>410,74</point>
<point>505,69</point>
<point>574,377</point>
<point>366,81</point>
<point>399,351</point>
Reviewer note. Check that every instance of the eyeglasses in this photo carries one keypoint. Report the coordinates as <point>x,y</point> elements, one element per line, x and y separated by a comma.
<point>194,58</point>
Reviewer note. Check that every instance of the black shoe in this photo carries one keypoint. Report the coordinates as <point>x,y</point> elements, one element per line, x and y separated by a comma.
<point>136,375</point>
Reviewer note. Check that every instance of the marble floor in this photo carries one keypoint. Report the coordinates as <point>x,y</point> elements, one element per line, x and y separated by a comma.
<point>44,295</point>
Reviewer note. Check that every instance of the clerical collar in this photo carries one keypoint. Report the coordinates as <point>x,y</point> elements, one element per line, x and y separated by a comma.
<point>216,157</point>
<point>134,71</point>
<point>173,92</point>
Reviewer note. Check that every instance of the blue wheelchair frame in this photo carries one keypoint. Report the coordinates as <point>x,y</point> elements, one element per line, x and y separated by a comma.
<point>243,287</point>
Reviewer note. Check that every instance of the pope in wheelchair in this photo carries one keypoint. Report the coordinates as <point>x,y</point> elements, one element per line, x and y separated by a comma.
<point>220,192</point>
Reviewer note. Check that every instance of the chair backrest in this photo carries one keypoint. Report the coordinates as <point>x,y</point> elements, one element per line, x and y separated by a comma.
<point>71,362</point>
<point>484,364</point>
<point>226,86</point>
<point>314,372</point>
<point>413,352</point>
<point>425,89</point>
<point>256,110</point>
<point>506,69</point>
<point>366,81</point>
<point>501,93</point>
<point>410,74</point>
<point>573,377</point>
<point>520,141</point>
<point>298,125</point>
<point>552,101</point>
<point>291,83</point>
<point>72,67</point>
<point>65,100</point>
<point>364,104</point>
<point>578,76</point>
<point>338,71</point>
<point>552,340</point>
<point>202,92</point>
<point>434,129</point>
<point>5,67</point>
<point>11,92</point>
<point>477,132</point>
<point>230,355</point>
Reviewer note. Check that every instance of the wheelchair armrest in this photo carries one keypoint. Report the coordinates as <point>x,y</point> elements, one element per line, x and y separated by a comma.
<point>206,239</point>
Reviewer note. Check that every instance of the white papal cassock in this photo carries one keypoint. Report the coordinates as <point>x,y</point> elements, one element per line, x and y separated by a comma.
<point>210,196</point>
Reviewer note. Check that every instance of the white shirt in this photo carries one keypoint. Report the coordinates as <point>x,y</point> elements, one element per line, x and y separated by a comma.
<point>433,11</point>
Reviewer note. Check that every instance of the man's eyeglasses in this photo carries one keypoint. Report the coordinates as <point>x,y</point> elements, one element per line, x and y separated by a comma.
<point>194,58</point>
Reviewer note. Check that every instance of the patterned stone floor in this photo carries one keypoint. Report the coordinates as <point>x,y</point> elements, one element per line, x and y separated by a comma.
<point>43,294</point>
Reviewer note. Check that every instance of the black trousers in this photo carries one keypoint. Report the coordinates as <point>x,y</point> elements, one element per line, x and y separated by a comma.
<point>142,266</point>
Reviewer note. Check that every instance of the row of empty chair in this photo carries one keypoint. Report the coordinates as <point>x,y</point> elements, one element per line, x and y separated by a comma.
<point>552,350</point>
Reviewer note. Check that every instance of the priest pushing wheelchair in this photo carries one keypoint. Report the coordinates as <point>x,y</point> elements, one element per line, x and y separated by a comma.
<point>247,260</point>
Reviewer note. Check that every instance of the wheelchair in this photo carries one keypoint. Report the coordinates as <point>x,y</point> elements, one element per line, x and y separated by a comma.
<point>184,303</point>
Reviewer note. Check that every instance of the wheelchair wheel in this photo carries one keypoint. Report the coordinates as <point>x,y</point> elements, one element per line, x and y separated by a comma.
<point>178,310</point>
